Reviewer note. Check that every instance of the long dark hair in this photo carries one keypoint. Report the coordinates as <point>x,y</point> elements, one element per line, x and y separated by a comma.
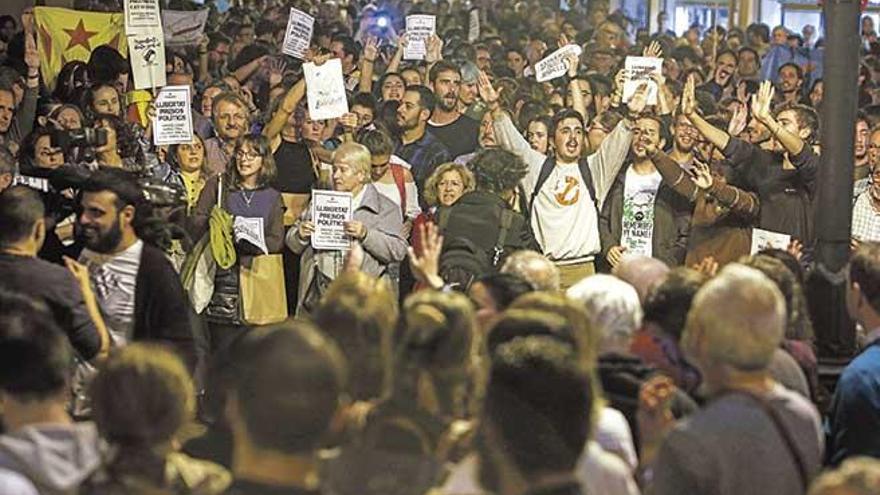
<point>268,170</point>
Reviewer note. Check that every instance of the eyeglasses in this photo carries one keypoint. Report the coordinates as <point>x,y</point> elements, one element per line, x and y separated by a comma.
<point>250,155</point>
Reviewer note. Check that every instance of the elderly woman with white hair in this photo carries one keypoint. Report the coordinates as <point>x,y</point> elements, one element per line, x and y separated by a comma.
<point>614,310</point>
<point>376,224</point>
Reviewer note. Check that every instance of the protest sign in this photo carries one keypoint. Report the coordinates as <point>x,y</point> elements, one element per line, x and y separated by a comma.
<point>147,59</point>
<point>553,65</point>
<point>325,90</point>
<point>418,29</point>
<point>638,71</point>
<point>250,229</point>
<point>298,36</point>
<point>765,239</point>
<point>141,16</point>
<point>183,28</point>
<point>173,121</point>
<point>330,211</point>
<point>473,25</point>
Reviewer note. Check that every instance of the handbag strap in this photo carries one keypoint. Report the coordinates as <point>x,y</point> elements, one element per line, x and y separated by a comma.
<point>784,433</point>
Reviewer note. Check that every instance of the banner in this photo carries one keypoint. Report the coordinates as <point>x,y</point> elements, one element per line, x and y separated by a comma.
<point>298,36</point>
<point>553,65</point>
<point>325,90</point>
<point>141,15</point>
<point>330,211</point>
<point>183,27</point>
<point>173,121</point>
<point>418,29</point>
<point>147,59</point>
<point>65,35</point>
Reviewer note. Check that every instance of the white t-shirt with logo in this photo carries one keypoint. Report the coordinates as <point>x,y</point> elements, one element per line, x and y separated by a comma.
<point>114,279</point>
<point>637,221</point>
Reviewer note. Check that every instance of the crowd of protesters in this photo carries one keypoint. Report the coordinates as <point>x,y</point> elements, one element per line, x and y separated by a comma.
<point>551,288</point>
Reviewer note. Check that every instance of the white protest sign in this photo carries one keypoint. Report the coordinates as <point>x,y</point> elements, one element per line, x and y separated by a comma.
<point>147,59</point>
<point>418,29</point>
<point>765,239</point>
<point>330,211</point>
<point>298,36</point>
<point>473,25</point>
<point>141,15</point>
<point>250,229</point>
<point>638,71</point>
<point>553,65</point>
<point>182,27</point>
<point>173,121</point>
<point>325,90</point>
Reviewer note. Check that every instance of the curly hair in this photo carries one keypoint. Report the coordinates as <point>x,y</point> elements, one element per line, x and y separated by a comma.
<point>432,185</point>
<point>497,170</point>
<point>126,135</point>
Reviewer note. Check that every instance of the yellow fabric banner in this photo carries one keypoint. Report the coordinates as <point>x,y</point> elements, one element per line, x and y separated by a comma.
<point>64,35</point>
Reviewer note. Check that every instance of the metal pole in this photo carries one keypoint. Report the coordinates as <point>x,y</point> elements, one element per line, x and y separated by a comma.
<point>827,285</point>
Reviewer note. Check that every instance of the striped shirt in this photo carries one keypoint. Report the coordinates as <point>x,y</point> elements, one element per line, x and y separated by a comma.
<point>866,219</point>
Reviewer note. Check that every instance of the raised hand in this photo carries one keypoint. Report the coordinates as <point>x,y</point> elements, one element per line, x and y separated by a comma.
<point>572,61</point>
<point>371,49</point>
<point>762,101</point>
<point>615,255</point>
<point>426,267</point>
<point>487,92</point>
<point>796,249</point>
<point>708,266</point>
<point>688,100</point>
<point>639,100</point>
<point>702,175</point>
<point>562,41</point>
<point>739,120</point>
<point>434,46</point>
<point>276,71</point>
<point>354,258</point>
<point>653,50</point>
<point>349,121</point>
<point>31,54</point>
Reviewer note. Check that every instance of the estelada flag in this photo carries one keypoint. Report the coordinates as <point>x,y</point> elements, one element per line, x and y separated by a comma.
<point>64,35</point>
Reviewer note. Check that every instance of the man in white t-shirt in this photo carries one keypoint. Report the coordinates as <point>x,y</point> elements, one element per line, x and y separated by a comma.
<point>564,206</point>
<point>639,216</point>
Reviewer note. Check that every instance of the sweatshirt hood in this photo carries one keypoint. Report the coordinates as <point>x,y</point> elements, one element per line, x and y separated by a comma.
<point>56,458</point>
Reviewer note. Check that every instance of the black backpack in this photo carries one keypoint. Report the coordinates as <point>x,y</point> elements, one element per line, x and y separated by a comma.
<point>547,169</point>
<point>462,261</point>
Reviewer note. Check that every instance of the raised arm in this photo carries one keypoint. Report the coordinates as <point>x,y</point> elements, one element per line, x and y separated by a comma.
<point>761,103</point>
<point>605,163</point>
<point>716,136</point>
<point>394,64</point>
<point>244,72</point>
<point>285,109</point>
<point>368,62</point>
<point>506,133</point>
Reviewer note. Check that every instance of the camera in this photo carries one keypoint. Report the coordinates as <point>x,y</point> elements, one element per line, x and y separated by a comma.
<point>84,137</point>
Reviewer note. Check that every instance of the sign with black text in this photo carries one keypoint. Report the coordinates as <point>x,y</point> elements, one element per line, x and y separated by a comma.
<point>298,36</point>
<point>173,121</point>
<point>141,15</point>
<point>330,211</point>
<point>147,59</point>
<point>418,29</point>
<point>325,90</point>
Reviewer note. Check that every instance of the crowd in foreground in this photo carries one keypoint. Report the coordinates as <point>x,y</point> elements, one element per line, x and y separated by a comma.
<point>548,288</point>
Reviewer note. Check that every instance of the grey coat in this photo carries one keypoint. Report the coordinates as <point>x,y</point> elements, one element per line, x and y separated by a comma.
<point>384,245</point>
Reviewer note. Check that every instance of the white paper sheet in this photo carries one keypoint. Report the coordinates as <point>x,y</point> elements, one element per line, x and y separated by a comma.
<point>298,35</point>
<point>173,122</point>
<point>325,90</point>
<point>330,211</point>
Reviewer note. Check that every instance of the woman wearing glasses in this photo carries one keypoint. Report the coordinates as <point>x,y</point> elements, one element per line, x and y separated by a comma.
<point>244,192</point>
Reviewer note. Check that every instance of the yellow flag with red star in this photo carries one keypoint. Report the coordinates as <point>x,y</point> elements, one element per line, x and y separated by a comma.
<point>64,35</point>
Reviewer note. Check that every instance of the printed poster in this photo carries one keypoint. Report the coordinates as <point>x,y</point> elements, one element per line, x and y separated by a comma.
<point>473,25</point>
<point>637,220</point>
<point>325,90</point>
<point>638,71</point>
<point>553,65</point>
<point>183,28</point>
<point>147,59</point>
<point>330,211</point>
<point>141,16</point>
<point>298,36</point>
<point>766,239</point>
<point>418,29</point>
<point>173,121</point>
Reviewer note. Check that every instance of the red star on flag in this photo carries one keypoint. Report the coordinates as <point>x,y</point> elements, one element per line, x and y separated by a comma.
<point>80,36</point>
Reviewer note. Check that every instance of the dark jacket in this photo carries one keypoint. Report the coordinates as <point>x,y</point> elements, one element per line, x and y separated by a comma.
<point>161,308</point>
<point>476,216</point>
<point>671,223</point>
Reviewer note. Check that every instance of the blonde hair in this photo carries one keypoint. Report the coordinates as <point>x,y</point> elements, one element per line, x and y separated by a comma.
<point>740,314</point>
<point>857,475</point>
<point>355,155</point>
<point>433,182</point>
